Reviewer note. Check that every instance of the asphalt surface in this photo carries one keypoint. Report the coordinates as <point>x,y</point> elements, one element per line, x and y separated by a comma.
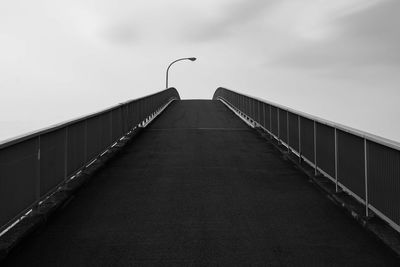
<point>198,187</point>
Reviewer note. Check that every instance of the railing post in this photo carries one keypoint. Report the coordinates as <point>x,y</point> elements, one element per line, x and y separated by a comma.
<point>336,161</point>
<point>315,149</point>
<point>366,176</point>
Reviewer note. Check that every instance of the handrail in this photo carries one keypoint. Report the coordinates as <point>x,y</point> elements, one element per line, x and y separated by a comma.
<point>23,137</point>
<point>378,139</point>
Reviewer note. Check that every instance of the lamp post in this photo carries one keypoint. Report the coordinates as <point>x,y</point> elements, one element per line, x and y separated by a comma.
<point>185,58</point>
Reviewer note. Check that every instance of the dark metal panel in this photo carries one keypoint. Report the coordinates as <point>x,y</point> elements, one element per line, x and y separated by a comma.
<point>124,117</point>
<point>294,131</point>
<point>256,111</point>
<point>262,114</point>
<point>52,160</point>
<point>283,125</point>
<point>253,109</point>
<point>116,124</point>
<point>134,121</point>
<point>384,180</point>
<point>76,147</point>
<point>307,138</point>
<point>274,120</point>
<point>247,106</point>
<point>94,142</point>
<point>135,113</point>
<point>142,110</point>
<point>267,117</point>
<point>129,118</point>
<point>326,148</point>
<point>350,154</point>
<point>19,178</point>
<point>105,131</point>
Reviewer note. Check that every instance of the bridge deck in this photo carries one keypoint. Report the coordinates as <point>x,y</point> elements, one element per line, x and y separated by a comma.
<point>199,187</point>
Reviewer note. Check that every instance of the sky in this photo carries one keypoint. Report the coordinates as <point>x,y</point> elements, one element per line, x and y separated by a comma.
<point>338,60</point>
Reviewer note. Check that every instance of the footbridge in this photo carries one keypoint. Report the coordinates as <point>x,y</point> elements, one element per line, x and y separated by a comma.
<point>233,181</point>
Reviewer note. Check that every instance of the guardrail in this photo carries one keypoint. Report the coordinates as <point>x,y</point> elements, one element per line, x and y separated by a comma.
<point>33,166</point>
<point>364,165</point>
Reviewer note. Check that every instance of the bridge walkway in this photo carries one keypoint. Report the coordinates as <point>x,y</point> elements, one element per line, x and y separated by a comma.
<point>199,187</point>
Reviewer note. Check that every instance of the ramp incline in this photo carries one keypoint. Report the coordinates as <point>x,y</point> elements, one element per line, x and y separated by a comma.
<point>199,187</point>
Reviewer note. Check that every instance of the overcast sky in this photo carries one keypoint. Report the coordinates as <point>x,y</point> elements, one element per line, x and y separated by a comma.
<point>338,59</point>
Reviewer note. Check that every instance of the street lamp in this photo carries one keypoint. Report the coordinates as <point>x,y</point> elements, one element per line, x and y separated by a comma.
<point>185,58</point>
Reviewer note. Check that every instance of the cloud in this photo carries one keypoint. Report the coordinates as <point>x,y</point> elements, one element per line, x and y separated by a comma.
<point>367,37</point>
<point>231,17</point>
<point>121,33</point>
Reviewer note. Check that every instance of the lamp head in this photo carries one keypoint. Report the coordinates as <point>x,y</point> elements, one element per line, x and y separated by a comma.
<point>192,58</point>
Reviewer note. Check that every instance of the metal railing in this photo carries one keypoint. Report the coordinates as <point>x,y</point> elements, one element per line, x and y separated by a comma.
<point>33,166</point>
<point>364,165</point>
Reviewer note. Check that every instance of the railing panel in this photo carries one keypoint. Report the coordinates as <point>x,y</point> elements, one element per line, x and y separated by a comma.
<point>253,109</point>
<point>125,118</point>
<point>262,114</point>
<point>384,180</point>
<point>52,160</point>
<point>258,113</point>
<point>135,114</point>
<point>94,142</point>
<point>294,131</point>
<point>19,171</point>
<point>116,123</point>
<point>351,162</point>
<point>326,148</point>
<point>267,117</point>
<point>283,125</point>
<point>274,120</point>
<point>76,147</point>
<point>307,138</point>
<point>248,106</point>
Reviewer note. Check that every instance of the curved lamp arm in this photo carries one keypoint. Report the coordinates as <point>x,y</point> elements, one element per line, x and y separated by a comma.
<point>169,66</point>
